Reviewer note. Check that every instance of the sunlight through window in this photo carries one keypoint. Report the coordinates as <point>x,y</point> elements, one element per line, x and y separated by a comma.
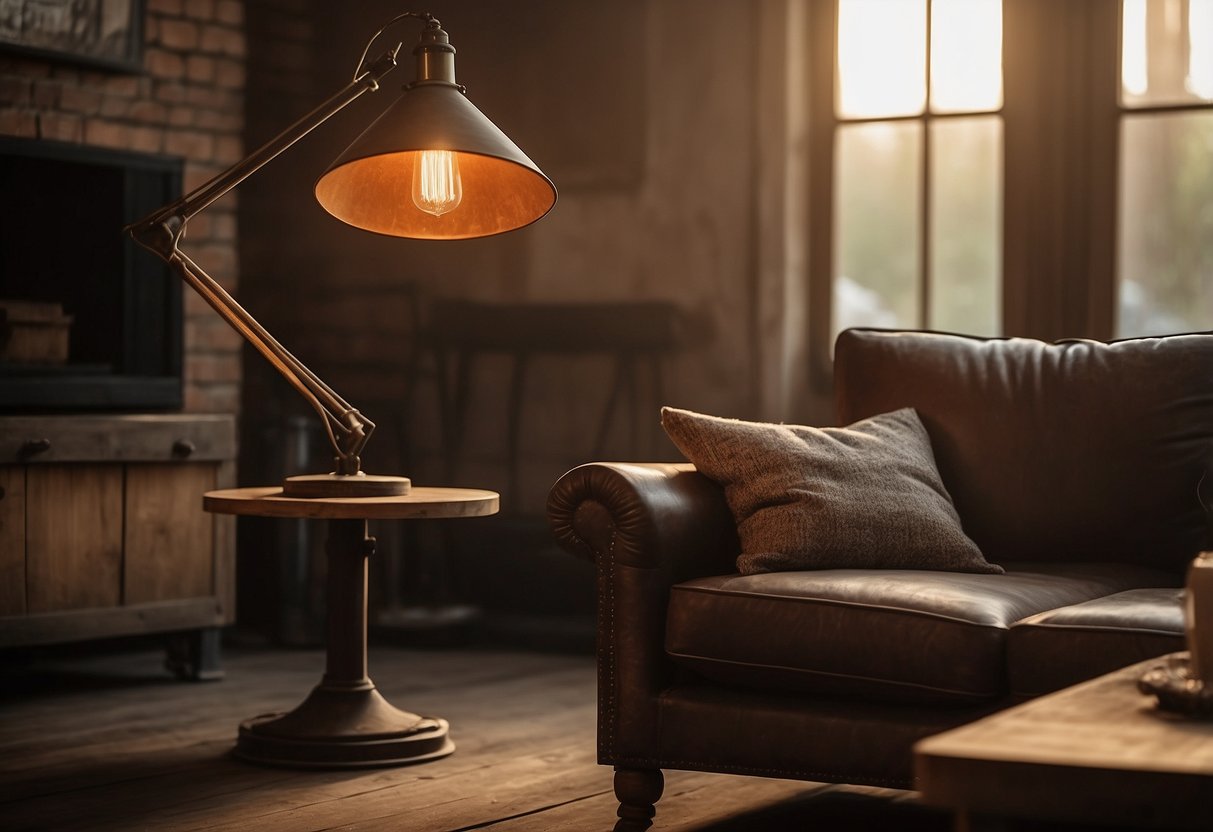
<point>881,58</point>
<point>1166,52</point>
<point>1200,48</point>
<point>1133,72</point>
<point>966,55</point>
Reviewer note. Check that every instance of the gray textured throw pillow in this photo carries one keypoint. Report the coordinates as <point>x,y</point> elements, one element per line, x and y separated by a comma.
<point>867,496</point>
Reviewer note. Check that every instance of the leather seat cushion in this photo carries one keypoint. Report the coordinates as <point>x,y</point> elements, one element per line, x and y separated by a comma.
<point>1058,648</point>
<point>884,635</point>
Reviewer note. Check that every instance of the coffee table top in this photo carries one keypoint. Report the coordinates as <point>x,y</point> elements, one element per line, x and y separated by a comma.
<point>420,503</point>
<point>1100,751</point>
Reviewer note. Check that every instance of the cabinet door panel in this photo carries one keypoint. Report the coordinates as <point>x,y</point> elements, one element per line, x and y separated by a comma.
<point>73,536</point>
<point>169,538</point>
<point>12,540</point>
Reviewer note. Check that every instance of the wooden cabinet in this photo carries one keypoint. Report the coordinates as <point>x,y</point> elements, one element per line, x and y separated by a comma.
<point>102,531</point>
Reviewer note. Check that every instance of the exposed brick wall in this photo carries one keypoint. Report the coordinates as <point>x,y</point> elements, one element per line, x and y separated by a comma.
<point>187,102</point>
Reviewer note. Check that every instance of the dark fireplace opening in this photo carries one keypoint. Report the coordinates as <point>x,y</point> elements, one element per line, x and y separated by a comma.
<point>88,320</point>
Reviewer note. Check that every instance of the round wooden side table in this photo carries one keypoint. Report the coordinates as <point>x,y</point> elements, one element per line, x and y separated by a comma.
<point>345,722</point>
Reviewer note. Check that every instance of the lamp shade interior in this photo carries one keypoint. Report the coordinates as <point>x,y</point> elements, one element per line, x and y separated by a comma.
<point>370,184</point>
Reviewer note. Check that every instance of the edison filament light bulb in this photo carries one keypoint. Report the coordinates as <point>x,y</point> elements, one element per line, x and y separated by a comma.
<point>437,188</point>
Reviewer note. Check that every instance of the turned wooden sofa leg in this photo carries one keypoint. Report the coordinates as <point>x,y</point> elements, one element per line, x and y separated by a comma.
<point>637,790</point>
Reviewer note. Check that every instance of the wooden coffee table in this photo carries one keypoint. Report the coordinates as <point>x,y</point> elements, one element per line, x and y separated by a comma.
<point>1099,752</point>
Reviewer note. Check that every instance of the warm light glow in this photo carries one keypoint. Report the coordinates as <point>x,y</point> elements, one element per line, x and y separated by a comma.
<point>966,55</point>
<point>437,186</point>
<point>881,58</point>
<point>1200,48</point>
<point>1134,62</point>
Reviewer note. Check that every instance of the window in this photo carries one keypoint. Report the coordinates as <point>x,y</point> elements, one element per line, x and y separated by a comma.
<point>917,150</point>
<point>1031,168</point>
<point>1165,245</point>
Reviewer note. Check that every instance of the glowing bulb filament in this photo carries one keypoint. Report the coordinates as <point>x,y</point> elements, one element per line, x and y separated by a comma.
<point>437,188</point>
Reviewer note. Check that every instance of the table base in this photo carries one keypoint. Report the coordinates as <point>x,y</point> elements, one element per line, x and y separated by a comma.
<point>341,726</point>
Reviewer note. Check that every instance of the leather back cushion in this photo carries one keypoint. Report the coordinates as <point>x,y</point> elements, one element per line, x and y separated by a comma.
<point>1074,451</point>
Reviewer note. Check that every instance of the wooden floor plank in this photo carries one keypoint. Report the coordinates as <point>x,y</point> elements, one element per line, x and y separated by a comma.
<point>113,745</point>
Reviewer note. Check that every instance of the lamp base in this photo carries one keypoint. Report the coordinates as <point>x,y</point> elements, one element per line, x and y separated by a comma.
<point>343,726</point>
<point>314,486</point>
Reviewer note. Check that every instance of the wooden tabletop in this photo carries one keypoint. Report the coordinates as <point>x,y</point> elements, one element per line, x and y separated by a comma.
<point>1100,751</point>
<point>420,503</point>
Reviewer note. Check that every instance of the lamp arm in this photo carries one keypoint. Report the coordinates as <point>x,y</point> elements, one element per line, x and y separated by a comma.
<point>162,231</point>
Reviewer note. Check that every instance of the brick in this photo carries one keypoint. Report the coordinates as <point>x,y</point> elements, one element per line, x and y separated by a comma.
<point>211,334</point>
<point>183,117</point>
<point>23,123</point>
<point>147,139</point>
<point>211,367</point>
<point>77,100</point>
<point>190,143</point>
<point>114,107</point>
<point>206,97</point>
<point>195,306</point>
<point>219,260</point>
<point>223,228</point>
<point>16,92</point>
<point>218,121</point>
<point>228,149</point>
<point>230,75</point>
<point>222,40</point>
<point>178,34</point>
<point>171,92</point>
<point>47,95</point>
<point>60,127</point>
<point>125,85</point>
<point>107,133</point>
<point>200,10</point>
<point>200,230</point>
<point>164,64</point>
<point>229,12</point>
<point>148,112</point>
<point>212,398</point>
<point>200,69</point>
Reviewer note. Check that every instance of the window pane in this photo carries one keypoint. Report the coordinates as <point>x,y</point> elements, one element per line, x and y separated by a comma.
<point>882,55</point>
<point>1166,224</point>
<point>966,225</point>
<point>1166,52</point>
<point>877,189</point>
<point>966,55</point>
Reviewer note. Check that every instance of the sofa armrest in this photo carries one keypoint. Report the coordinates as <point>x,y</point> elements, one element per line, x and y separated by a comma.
<point>651,515</point>
<point>647,526</point>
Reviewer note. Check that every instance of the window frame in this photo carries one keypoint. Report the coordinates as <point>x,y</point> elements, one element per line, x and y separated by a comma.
<point>1061,123</point>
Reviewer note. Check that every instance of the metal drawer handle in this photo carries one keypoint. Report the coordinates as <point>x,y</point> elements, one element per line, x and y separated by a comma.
<point>33,447</point>
<point>183,448</point>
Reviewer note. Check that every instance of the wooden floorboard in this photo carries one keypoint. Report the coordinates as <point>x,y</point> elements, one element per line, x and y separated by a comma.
<point>112,743</point>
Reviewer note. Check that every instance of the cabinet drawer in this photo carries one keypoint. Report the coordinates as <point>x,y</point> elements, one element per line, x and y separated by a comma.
<point>36,440</point>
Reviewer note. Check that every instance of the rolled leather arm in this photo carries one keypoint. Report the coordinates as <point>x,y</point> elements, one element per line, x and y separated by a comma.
<point>647,526</point>
<point>645,514</point>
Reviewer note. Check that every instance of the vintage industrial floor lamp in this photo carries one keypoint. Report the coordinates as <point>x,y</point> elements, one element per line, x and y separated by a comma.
<point>431,167</point>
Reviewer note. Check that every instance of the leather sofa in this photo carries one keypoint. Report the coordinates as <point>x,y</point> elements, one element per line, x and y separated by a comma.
<point>1077,466</point>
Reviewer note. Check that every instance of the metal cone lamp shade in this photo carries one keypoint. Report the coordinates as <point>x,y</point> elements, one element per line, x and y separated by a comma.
<point>372,184</point>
